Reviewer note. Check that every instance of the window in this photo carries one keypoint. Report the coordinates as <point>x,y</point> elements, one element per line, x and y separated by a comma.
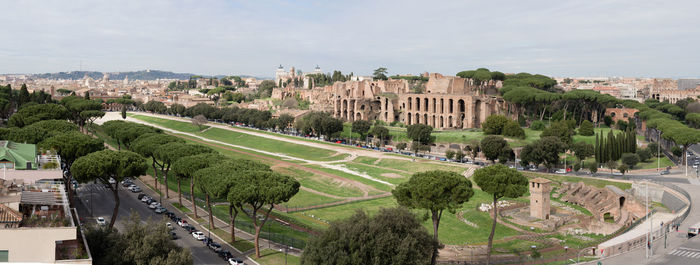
<point>4,255</point>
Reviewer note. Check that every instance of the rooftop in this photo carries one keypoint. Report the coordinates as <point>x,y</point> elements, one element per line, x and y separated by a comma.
<point>18,154</point>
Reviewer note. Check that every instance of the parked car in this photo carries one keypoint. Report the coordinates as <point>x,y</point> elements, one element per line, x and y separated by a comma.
<point>173,235</point>
<point>161,210</point>
<point>207,240</point>
<point>134,188</point>
<point>112,181</point>
<point>198,235</point>
<point>665,172</point>
<point>190,229</point>
<point>225,254</point>
<point>617,174</point>
<point>141,195</point>
<point>235,261</point>
<point>154,205</point>
<point>169,226</point>
<point>145,198</point>
<point>127,183</point>
<point>182,222</point>
<point>101,221</point>
<point>560,171</point>
<point>216,247</point>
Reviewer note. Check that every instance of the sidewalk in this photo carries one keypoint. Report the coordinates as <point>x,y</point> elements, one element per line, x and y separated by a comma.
<point>220,224</point>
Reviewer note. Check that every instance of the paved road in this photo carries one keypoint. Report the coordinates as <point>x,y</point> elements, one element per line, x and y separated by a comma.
<point>103,204</point>
<point>687,253</point>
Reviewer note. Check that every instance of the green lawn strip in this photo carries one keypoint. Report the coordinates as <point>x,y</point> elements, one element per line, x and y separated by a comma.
<point>591,139</point>
<point>247,140</point>
<point>323,184</point>
<point>379,173</point>
<point>522,246</point>
<point>306,220</point>
<point>271,230</point>
<point>274,257</point>
<point>649,164</point>
<point>377,185</point>
<point>452,229</point>
<point>240,244</point>
<point>305,198</point>
<point>167,123</point>
<point>181,208</point>
<point>271,145</point>
<point>365,160</point>
<point>100,133</point>
<point>418,166</point>
<point>577,242</point>
<point>588,181</point>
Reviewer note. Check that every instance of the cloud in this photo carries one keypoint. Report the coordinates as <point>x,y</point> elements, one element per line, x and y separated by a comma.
<point>563,38</point>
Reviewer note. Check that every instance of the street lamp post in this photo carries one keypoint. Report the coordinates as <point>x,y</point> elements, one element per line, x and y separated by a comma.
<point>658,150</point>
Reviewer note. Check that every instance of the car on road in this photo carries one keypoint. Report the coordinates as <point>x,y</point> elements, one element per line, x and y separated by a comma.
<point>560,171</point>
<point>145,198</point>
<point>182,223</point>
<point>665,172</point>
<point>141,195</point>
<point>112,181</point>
<point>235,261</point>
<point>190,229</point>
<point>161,210</point>
<point>169,226</point>
<point>225,254</point>
<point>216,247</point>
<point>127,183</point>
<point>198,235</point>
<point>101,221</point>
<point>134,188</point>
<point>617,174</point>
<point>173,235</point>
<point>154,205</point>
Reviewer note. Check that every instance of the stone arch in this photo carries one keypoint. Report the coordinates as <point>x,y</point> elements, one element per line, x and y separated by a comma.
<point>460,105</point>
<point>425,119</point>
<point>612,114</point>
<point>442,122</point>
<point>622,201</point>
<point>386,103</point>
<point>417,104</point>
<point>408,121</point>
<point>449,121</point>
<point>425,104</point>
<point>434,105</point>
<point>362,107</point>
<point>410,103</point>
<point>417,121</point>
<point>358,116</point>
<point>450,105</point>
<point>386,116</point>
<point>477,113</point>
<point>432,121</point>
<point>442,106</point>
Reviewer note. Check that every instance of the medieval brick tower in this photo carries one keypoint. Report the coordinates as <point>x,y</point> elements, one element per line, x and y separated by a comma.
<point>539,198</point>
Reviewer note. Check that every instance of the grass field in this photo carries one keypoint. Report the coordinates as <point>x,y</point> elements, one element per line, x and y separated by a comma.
<point>391,176</point>
<point>306,198</point>
<point>273,257</point>
<point>376,185</point>
<point>247,140</point>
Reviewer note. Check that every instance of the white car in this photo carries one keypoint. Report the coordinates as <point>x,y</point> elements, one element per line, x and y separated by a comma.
<point>560,171</point>
<point>169,226</point>
<point>112,181</point>
<point>101,221</point>
<point>145,198</point>
<point>235,261</point>
<point>182,223</point>
<point>617,174</point>
<point>161,210</point>
<point>198,235</point>
<point>154,205</point>
<point>134,188</point>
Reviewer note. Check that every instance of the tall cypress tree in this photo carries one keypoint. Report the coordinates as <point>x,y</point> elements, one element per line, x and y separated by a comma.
<point>597,149</point>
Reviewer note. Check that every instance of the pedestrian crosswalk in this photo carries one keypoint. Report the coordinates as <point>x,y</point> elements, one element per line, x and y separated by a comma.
<point>686,252</point>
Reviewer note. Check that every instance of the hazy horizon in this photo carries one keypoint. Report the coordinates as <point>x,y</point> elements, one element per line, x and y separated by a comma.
<point>562,39</point>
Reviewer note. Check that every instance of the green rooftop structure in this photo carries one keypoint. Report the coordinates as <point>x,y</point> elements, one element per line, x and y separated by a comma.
<point>17,156</point>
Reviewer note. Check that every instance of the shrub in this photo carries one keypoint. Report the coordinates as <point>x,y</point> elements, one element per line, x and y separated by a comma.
<point>653,147</point>
<point>494,124</point>
<point>644,154</point>
<point>450,154</point>
<point>586,128</point>
<point>537,125</point>
<point>630,159</point>
<point>50,165</point>
<point>607,120</point>
<point>593,168</point>
<point>512,129</point>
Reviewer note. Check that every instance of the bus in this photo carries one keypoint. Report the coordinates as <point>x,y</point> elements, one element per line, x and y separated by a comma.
<point>693,230</point>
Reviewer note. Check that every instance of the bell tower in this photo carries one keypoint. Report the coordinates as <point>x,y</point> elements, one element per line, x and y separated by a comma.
<point>539,198</point>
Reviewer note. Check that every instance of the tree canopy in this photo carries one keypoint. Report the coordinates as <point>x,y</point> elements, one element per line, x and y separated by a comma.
<point>393,236</point>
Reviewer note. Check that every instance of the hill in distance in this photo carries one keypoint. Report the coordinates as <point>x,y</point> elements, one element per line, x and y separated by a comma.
<point>133,75</point>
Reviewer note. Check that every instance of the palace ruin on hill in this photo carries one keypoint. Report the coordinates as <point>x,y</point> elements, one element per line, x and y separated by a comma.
<point>448,102</point>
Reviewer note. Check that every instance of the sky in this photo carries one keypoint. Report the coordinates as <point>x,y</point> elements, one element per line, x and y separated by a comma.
<point>557,38</point>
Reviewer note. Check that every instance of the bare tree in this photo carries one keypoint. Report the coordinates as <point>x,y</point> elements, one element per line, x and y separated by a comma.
<point>199,121</point>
